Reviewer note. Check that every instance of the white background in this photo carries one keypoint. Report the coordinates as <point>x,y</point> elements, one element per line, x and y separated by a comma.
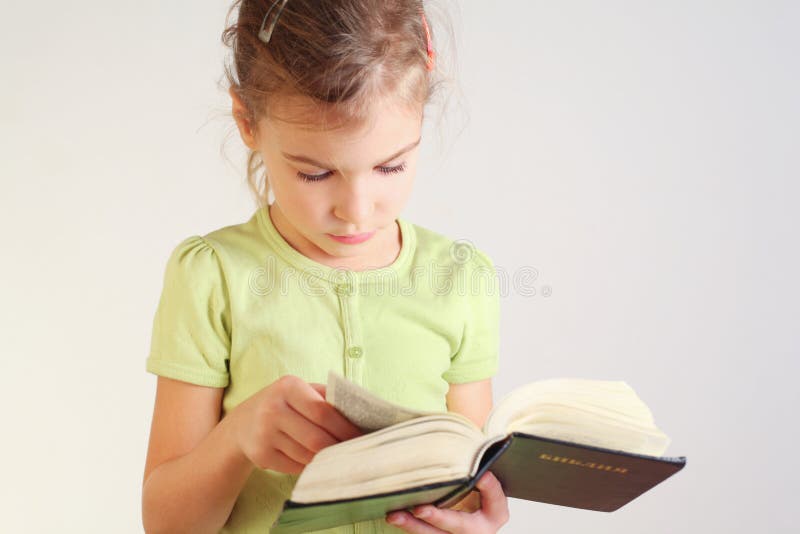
<point>641,156</point>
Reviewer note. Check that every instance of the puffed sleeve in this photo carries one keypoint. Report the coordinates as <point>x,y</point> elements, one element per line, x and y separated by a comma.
<point>477,356</point>
<point>191,337</point>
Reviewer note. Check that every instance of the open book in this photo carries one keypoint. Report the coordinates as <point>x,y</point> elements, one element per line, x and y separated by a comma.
<point>574,442</point>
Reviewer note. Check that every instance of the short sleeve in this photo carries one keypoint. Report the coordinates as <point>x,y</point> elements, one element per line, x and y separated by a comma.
<point>191,337</point>
<point>477,356</point>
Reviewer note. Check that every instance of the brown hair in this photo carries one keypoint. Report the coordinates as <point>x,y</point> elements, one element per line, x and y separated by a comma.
<point>338,54</point>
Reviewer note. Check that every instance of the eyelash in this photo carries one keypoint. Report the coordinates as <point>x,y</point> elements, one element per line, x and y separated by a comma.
<point>319,177</point>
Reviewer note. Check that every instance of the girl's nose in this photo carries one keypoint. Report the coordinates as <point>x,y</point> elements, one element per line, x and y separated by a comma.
<point>355,204</point>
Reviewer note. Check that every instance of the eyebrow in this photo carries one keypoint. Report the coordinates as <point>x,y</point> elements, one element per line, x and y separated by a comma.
<point>306,159</point>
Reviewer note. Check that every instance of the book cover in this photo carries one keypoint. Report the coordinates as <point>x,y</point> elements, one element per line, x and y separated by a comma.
<point>528,467</point>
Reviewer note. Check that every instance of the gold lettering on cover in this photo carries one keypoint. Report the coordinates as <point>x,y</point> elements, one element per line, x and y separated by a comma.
<point>581,463</point>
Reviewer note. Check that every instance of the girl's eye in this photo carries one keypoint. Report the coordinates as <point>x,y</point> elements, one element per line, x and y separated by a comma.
<point>319,177</point>
<point>313,177</point>
<point>392,170</point>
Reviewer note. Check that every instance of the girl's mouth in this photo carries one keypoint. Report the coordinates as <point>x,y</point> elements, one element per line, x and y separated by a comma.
<point>352,239</point>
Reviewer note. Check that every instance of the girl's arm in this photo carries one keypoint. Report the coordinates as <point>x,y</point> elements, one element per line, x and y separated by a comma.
<point>186,434</point>
<point>472,399</point>
<point>198,464</point>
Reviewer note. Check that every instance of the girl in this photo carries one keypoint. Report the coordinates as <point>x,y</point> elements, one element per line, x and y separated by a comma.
<point>328,97</point>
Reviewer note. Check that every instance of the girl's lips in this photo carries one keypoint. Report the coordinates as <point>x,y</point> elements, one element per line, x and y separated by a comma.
<point>352,239</point>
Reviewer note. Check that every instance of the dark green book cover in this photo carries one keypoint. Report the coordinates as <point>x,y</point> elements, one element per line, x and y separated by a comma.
<point>528,467</point>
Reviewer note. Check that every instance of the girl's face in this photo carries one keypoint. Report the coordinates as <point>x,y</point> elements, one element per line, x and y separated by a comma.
<point>343,182</point>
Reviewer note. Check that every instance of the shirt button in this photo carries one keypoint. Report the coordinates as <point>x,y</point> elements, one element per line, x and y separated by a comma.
<point>343,289</point>
<point>355,352</point>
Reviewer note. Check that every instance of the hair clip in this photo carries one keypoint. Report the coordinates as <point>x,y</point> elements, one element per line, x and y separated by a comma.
<point>266,35</point>
<point>431,53</point>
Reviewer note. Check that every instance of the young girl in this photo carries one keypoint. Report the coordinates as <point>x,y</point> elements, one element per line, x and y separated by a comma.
<point>329,98</point>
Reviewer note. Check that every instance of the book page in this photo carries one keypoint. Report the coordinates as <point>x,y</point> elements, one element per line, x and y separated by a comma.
<point>366,410</point>
<point>417,452</point>
<point>601,413</point>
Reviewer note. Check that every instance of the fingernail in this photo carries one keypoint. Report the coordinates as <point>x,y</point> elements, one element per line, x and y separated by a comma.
<point>395,519</point>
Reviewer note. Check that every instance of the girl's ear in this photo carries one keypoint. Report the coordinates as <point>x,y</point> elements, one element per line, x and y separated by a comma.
<point>240,115</point>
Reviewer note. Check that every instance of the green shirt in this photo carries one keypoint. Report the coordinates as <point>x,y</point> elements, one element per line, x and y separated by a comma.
<point>240,308</point>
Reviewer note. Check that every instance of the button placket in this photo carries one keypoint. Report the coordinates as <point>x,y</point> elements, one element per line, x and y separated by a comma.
<point>353,350</point>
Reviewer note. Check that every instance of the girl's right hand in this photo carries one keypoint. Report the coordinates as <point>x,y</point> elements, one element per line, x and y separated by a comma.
<point>285,424</point>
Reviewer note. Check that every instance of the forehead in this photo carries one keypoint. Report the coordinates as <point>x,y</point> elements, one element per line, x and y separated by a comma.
<point>302,125</point>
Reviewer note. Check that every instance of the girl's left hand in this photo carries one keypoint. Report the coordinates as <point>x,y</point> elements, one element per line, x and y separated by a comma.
<point>428,519</point>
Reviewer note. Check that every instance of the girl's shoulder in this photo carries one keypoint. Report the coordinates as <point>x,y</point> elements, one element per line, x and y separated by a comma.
<point>232,247</point>
<point>212,257</point>
<point>442,250</point>
<point>236,239</point>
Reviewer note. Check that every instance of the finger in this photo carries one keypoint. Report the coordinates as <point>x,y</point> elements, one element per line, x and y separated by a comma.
<point>493,501</point>
<point>442,518</point>
<point>307,401</point>
<point>319,388</point>
<point>291,448</point>
<point>303,431</point>
<point>284,464</point>
<point>409,523</point>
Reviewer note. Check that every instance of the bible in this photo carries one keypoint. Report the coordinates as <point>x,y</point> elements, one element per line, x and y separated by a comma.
<point>589,444</point>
